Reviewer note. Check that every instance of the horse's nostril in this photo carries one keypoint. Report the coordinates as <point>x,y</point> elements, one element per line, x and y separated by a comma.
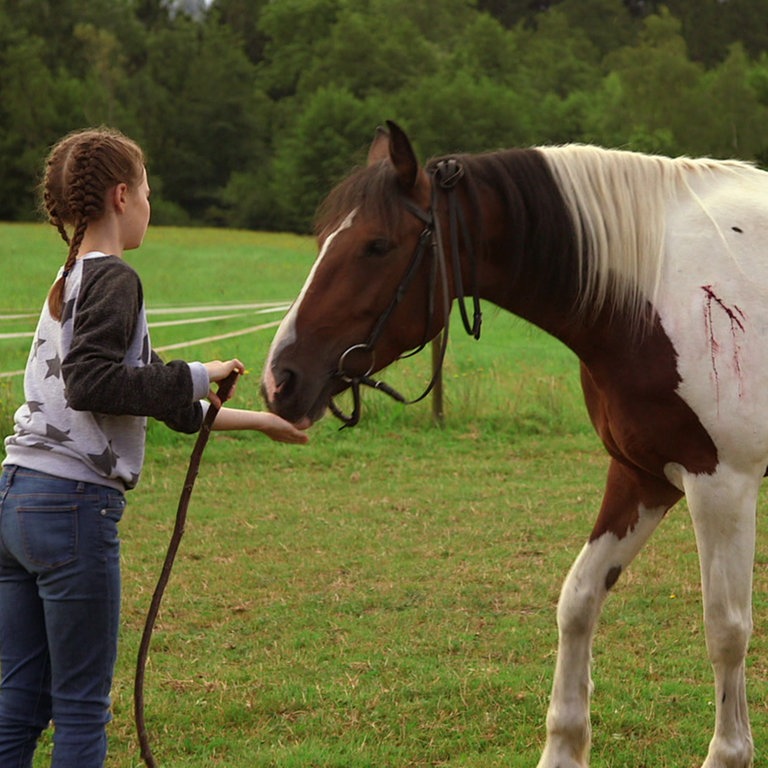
<point>285,382</point>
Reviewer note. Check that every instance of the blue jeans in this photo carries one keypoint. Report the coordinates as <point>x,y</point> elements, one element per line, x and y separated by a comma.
<point>59,615</point>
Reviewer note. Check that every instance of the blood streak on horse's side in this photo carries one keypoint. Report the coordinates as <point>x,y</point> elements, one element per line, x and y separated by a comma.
<point>645,268</point>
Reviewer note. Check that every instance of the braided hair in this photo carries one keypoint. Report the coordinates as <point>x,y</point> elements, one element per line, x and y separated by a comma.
<point>80,170</point>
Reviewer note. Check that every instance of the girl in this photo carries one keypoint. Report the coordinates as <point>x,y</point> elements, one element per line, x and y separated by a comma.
<point>78,444</point>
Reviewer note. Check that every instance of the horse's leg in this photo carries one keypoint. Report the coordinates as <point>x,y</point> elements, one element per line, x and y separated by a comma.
<point>633,506</point>
<point>723,509</point>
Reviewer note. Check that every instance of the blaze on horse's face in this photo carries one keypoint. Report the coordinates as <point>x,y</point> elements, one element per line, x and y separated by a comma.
<point>366,241</point>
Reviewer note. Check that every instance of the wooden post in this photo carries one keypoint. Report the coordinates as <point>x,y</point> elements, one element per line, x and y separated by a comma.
<point>438,414</point>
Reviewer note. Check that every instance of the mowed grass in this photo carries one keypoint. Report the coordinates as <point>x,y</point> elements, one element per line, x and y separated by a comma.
<point>386,595</point>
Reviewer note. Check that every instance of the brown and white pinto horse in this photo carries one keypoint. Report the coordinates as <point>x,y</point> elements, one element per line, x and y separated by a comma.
<point>654,271</point>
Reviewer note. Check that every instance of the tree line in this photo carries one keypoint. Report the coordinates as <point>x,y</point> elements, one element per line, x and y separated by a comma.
<point>250,110</point>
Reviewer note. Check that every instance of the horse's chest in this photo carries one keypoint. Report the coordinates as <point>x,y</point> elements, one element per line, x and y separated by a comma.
<point>633,401</point>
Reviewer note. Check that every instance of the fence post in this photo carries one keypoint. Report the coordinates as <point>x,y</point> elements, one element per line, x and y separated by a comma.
<point>438,414</point>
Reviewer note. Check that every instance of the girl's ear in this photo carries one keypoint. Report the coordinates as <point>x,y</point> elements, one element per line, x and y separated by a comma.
<point>117,197</point>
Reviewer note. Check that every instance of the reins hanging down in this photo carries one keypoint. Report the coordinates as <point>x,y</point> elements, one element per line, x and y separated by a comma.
<point>224,392</point>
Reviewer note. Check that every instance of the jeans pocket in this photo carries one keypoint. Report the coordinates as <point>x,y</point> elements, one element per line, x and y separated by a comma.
<point>110,516</point>
<point>114,506</point>
<point>49,534</point>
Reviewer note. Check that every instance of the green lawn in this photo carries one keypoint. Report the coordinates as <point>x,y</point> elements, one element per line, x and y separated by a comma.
<point>386,595</point>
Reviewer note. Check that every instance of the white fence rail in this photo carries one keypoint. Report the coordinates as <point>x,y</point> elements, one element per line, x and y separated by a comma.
<point>195,315</point>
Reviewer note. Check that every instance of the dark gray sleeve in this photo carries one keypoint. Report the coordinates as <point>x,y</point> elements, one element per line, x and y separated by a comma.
<point>95,374</point>
<point>187,419</point>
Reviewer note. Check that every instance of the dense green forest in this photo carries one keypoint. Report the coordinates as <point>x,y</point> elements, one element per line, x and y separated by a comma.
<point>250,110</point>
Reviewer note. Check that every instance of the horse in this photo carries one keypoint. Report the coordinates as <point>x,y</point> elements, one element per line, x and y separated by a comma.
<point>654,271</point>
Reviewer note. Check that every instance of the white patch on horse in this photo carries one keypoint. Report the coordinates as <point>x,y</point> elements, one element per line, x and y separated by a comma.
<point>286,333</point>
<point>713,310</point>
<point>581,599</point>
<point>618,202</point>
<point>723,509</point>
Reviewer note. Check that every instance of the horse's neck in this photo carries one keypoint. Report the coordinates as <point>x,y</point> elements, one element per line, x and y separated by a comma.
<point>529,266</point>
<point>556,251</point>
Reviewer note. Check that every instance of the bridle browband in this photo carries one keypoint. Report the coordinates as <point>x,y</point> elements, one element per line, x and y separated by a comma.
<point>445,176</point>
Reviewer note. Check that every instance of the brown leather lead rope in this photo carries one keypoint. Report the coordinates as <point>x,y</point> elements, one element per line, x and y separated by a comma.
<point>224,392</point>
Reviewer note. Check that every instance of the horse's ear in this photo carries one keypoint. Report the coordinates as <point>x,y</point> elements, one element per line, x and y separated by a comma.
<point>392,144</point>
<point>403,157</point>
<point>379,146</point>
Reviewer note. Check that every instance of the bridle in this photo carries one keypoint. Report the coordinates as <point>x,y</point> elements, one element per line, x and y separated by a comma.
<point>445,176</point>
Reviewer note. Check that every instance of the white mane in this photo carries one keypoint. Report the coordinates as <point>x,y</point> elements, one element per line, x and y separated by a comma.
<point>617,201</point>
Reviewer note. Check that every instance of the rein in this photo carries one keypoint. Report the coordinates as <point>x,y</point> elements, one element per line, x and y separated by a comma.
<point>224,392</point>
<point>446,175</point>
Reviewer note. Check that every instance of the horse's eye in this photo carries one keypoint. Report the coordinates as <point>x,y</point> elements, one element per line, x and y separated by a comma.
<point>378,247</point>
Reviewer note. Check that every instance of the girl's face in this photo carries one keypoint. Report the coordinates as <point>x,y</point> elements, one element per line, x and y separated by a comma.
<point>137,213</point>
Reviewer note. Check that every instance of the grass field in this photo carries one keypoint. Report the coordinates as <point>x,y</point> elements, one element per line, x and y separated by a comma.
<point>386,595</point>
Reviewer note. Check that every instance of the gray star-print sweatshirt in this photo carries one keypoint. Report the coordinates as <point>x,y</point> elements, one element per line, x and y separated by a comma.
<point>92,379</point>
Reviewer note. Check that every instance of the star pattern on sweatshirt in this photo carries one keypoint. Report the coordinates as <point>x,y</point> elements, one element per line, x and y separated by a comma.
<point>54,367</point>
<point>105,461</point>
<point>33,407</point>
<point>39,341</point>
<point>40,446</point>
<point>47,423</point>
<point>54,433</point>
<point>68,311</point>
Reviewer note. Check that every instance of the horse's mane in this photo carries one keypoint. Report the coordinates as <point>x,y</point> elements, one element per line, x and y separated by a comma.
<point>617,201</point>
<point>608,243</point>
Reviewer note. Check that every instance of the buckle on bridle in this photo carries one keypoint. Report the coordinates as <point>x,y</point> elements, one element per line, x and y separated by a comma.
<point>348,377</point>
<point>448,173</point>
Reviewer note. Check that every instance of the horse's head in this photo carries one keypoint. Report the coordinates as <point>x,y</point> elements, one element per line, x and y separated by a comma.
<point>371,294</point>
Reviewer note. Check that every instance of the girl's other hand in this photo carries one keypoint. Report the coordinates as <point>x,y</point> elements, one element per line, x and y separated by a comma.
<point>218,371</point>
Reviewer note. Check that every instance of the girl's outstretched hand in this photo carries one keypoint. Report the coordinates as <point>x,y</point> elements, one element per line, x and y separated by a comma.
<point>281,430</point>
<point>262,421</point>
